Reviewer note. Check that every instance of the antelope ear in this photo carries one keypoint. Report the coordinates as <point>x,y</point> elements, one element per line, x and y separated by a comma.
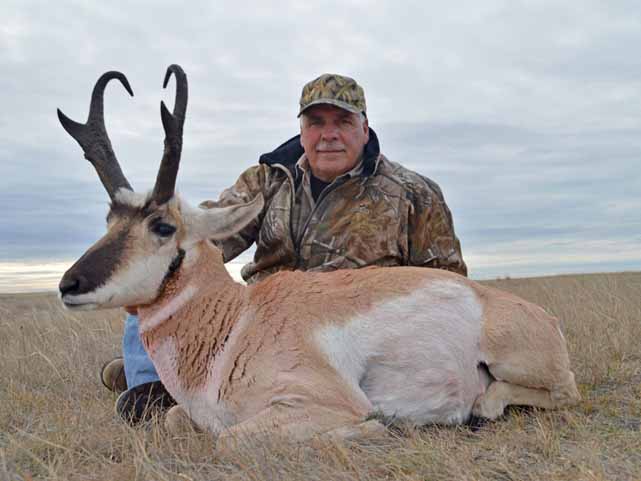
<point>219,223</point>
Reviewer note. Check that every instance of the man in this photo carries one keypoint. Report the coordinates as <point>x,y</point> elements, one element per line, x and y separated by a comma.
<point>332,201</point>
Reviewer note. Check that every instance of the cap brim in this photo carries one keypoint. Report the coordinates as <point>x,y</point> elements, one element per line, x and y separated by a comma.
<point>335,103</point>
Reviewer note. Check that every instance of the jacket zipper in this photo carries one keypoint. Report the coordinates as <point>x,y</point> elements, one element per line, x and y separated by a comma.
<point>323,195</point>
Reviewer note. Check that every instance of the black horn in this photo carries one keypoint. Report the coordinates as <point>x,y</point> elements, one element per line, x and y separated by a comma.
<point>92,136</point>
<point>173,125</point>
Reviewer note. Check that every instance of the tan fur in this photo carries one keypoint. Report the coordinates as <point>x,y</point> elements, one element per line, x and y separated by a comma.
<point>275,376</point>
<point>276,355</point>
<point>276,340</point>
<point>516,330</point>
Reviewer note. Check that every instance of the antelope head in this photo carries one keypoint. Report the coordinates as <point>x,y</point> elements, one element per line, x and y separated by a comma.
<point>148,235</point>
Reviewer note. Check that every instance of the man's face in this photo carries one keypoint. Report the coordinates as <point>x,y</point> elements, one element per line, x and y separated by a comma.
<point>333,140</point>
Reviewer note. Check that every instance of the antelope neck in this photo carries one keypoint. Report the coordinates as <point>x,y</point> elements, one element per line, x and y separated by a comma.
<point>204,278</point>
<point>189,325</point>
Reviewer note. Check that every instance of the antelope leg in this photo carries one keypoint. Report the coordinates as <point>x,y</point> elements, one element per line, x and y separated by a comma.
<point>500,394</point>
<point>292,423</point>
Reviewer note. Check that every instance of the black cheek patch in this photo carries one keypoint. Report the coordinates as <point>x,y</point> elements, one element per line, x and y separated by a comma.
<point>173,268</point>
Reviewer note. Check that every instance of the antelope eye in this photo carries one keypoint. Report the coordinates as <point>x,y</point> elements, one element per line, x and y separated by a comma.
<point>162,229</point>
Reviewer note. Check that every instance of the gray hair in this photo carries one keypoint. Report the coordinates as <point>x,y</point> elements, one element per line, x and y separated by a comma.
<point>362,117</point>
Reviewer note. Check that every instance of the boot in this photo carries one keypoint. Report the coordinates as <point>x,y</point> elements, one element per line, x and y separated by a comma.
<point>141,403</point>
<point>112,375</point>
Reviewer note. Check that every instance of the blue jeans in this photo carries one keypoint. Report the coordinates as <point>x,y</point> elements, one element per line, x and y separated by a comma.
<point>138,367</point>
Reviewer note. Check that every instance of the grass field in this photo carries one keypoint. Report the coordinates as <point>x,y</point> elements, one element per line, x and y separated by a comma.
<point>57,421</point>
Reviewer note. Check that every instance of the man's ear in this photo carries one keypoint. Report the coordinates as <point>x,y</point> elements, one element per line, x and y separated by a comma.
<point>366,129</point>
<point>218,223</point>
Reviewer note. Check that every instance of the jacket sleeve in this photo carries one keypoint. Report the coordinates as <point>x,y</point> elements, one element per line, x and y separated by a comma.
<point>251,182</point>
<point>432,242</point>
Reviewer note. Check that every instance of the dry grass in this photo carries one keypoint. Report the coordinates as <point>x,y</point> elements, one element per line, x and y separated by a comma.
<point>57,421</point>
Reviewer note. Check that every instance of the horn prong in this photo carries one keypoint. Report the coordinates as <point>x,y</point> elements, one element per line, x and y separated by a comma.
<point>92,136</point>
<point>173,126</point>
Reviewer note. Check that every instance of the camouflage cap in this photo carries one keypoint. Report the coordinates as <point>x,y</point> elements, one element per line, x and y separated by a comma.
<point>333,89</point>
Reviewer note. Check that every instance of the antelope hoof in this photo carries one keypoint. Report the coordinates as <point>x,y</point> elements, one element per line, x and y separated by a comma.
<point>488,407</point>
<point>178,422</point>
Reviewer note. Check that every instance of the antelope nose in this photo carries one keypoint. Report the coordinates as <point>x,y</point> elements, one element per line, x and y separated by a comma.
<point>71,285</point>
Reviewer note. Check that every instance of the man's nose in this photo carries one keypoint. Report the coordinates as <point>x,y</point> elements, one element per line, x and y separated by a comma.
<point>329,132</point>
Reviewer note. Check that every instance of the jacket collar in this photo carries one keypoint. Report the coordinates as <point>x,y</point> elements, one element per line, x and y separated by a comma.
<point>289,152</point>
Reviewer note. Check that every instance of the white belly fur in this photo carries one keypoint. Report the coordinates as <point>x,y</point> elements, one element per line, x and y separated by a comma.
<point>417,365</point>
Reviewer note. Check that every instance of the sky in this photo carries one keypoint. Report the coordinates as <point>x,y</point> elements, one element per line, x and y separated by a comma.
<point>526,113</point>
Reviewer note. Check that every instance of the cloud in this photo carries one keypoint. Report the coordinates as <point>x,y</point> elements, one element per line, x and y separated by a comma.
<point>525,113</point>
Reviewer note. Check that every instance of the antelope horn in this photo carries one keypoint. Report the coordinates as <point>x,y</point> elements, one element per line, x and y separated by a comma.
<point>173,125</point>
<point>92,136</point>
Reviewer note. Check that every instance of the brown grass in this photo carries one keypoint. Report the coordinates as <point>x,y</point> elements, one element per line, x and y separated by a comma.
<point>57,421</point>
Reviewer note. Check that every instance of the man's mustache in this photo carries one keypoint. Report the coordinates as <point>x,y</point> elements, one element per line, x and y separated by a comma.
<point>324,147</point>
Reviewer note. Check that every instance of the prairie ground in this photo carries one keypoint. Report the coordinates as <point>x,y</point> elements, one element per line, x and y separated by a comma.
<point>57,420</point>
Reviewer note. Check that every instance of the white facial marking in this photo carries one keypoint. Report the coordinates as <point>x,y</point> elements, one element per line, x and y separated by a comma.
<point>169,309</point>
<point>135,283</point>
<point>72,303</point>
<point>131,198</point>
<point>412,363</point>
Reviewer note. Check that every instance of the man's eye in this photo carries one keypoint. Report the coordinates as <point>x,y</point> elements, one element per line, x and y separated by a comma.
<point>162,229</point>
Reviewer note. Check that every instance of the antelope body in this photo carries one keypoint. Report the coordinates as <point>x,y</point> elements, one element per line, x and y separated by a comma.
<point>301,353</point>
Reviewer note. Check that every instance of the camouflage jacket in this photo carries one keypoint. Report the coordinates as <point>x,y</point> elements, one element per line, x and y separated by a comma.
<point>379,214</point>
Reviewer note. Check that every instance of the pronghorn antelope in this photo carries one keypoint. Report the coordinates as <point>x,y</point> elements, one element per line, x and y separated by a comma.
<point>300,353</point>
